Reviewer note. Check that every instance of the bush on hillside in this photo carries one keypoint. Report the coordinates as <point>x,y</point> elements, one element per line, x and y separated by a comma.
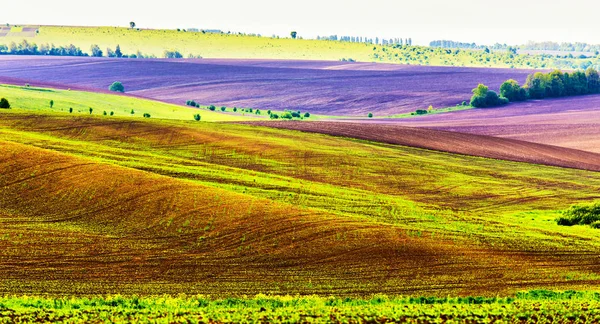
<point>212,108</point>
<point>197,117</point>
<point>483,98</point>
<point>287,115</point>
<point>306,115</point>
<point>147,115</point>
<point>4,104</point>
<point>173,55</point>
<point>581,215</point>
<point>370,115</point>
<point>116,87</point>
<point>512,91</point>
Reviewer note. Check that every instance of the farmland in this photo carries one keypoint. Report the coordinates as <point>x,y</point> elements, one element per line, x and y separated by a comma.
<point>154,43</point>
<point>105,205</point>
<point>325,88</point>
<point>567,122</point>
<point>133,207</point>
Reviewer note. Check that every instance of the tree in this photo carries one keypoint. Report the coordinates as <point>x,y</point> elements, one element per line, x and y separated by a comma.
<point>306,115</point>
<point>132,25</point>
<point>4,104</point>
<point>112,113</point>
<point>105,113</point>
<point>512,91</point>
<point>536,85</point>
<point>118,52</point>
<point>223,108</point>
<point>51,103</point>
<point>483,97</point>
<point>294,34</point>
<point>212,108</point>
<point>91,110</point>
<point>147,115</point>
<point>116,87</point>
<point>132,111</point>
<point>370,115</point>
<point>556,87</point>
<point>96,51</point>
<point>593,80</point>
<point>197,117</point>
<point>70,110</point>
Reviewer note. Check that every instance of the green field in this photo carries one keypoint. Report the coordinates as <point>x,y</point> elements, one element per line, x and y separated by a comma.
<point>170,220</point>
<point>156,42</point>
<point>38,100</point>
<point>537,306</point>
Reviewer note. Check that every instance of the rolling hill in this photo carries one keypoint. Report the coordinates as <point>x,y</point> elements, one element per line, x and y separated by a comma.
<point>100,204</point>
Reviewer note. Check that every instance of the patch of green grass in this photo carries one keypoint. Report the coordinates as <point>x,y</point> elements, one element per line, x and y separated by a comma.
<point>33,99</point>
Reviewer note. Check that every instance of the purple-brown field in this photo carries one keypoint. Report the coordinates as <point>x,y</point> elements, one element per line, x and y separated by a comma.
<point>331,88</point>
<point>568,122</point>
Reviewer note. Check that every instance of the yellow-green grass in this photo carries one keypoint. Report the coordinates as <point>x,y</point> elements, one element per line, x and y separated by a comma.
<point>38,99</point>
<point>155,42</point>
<point>122,205</point>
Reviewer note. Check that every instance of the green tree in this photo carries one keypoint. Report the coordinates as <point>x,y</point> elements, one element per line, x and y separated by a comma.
<point>294,34</point>
<point>513,91</point>
<point>556,87</point>
<point>51,103</point>
<point>117,87</point>
<point>593,80</point>
<point>4,104</point>
<point>91,110</point>
<point>370,115</point>
<point>132,25</point>
<point>197,117</point>
<point>536,85</point>
<point>96,51</point>
<point>70,110</point>
<point>118,52</point>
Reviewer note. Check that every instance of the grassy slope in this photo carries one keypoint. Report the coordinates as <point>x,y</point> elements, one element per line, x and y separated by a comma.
<point>38,99</point>
<point>155,42</point>
<point>101,204</point>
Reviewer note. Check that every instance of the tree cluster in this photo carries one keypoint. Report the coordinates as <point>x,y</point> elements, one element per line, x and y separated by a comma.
<point>539,86</point>
<point>483,97</point>
<point>27,48</point>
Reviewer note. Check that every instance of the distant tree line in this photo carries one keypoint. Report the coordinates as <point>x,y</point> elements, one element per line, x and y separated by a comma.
<point>566,47</point>
<point>539,85</point>
<point>27,48</point>
<point>453,44</point>
<point>366,40</point>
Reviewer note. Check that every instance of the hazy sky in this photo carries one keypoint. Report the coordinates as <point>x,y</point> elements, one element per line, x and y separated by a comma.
<point>481,21</point>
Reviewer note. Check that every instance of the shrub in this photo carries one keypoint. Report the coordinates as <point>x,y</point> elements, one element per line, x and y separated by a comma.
<point>234,109</point>
<point>370,115</point>
<point>4,104</point>
<point>212,108</point>
<point>105,113</point>
<point>295,114</point>
<point>274,116</point>
<point>117,87</point>
<point>112,113</point>
<point>91,110</point>
<point>132,111</point>
<point>51,103</point>
<point>197,117</point>
<point>197,105</point>
<point>306,115</point>
<point>223,108</point>
<point>287,115</point>
<point>257,111</point>
<point>513,91</point>
<point>269,112</point>
<point>421,112</point>
<point>483,97</point>
<point>147,115</point>
<point>70,110</point>
<point>581,215</point>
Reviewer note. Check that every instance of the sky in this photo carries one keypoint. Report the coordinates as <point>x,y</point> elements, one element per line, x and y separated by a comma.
<point>481,21</point>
